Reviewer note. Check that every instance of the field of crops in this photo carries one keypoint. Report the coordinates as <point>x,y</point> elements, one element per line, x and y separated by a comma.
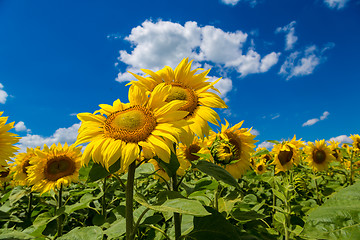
<point>153,169</point>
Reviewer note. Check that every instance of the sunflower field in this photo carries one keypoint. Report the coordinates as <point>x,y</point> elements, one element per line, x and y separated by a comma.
<point>153,168</point>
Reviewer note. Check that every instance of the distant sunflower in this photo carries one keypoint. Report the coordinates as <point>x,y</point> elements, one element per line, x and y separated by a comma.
<point>4,176</point>
<point>318,155</point>
<point>161,174</point>
<point>334,146</point>
<point>191,88</point>
<point>260,167</point>
<point>267,156</point>
<point>356,142</point>
<point>287,154</point>
<point>55,166</point>
<point>185,153</point>
<point>20,167</point>
<point>232,148</point>
<point>120,130</point>
<point>7,141</point>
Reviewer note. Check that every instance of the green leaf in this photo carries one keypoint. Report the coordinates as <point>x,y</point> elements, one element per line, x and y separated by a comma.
<point>98,171</point>
<point>11,234</point>
<point>337,218</point>
<point>217,172</point>
<point>245,216</point>
<point>279,195</point>
<point>16,194</point>
<point>116,229</point>
<point>83,233</point>
<point>272,141</point>
<point>262,152</point>
<point>179,205</point>
<point>171,167</point>
<point>280,217</point>
<point>83,203</point>
<point>215,227</point>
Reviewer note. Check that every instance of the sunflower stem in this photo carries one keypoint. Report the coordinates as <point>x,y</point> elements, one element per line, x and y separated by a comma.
<point>29,208</point>
<point>216,197</point>
<point>177,217</point>
<point>60,218</point>
<point>129,202</point>
<point>103,200</point>
<point>317,191</point>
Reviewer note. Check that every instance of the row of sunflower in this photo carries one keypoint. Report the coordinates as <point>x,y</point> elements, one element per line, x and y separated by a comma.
<point>165,123</point>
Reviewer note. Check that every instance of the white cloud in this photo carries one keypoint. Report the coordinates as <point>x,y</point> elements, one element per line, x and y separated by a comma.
<point>312,121</point>
<point>234,2</point>
<point>255,132</point>
<point>20,127</point>
<point>325,115</point>
<point>3,94</point>
<point>341,139</point>
<point>303,63</point>
<point>267,145</point>
<point>276,116</point>
<point>290,38</point>
<point>224,85</point>
<point>338,4</point>
<point>161,43</point>
<point>61,135</point>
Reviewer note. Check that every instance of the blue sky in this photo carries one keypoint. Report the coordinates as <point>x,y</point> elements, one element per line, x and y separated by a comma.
<point>288,67</point>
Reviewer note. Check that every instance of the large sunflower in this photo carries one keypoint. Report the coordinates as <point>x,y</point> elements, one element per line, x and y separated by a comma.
<point>7,141</point>
<point>19,168</point>
<point>286,154</point>
<point>120,130</point>
<point>55,166</point>
<point>193,89</point>
<point>318,155</point>
<point>185,154</point>
<point>356,142</point>
<point>232,148</point>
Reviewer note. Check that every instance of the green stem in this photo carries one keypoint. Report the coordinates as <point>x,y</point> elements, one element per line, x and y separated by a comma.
<point>103,200</point>
<point>160,230</point>
<point>138,221</point>
<point>129,202</point>
<point>216,197</point>
<point>177,217</point>
<point>60,218</point>
<point>317,191</point>
<point>29,208</point>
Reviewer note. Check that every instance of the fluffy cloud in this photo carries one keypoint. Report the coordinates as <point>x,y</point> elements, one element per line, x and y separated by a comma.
<point>303,63</point>
<point>61,135</point>
<point>3,94</point>
<point>156,44</point>
<point>234,2</point>
<point>255,132</point>
<point>312,121</point>
<point>267,145</point>
<point>341,139</point>
<point>290,38</point>
<point>338,4</point>
<point>20,127</point>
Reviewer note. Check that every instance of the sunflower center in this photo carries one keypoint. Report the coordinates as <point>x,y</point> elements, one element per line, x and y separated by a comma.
<point>335,154</point>
<point>235,142</point>
<point>4,174</point>
<point>134,124</point>
<point>267,157</point>
<point>260,168</point>
<point>25,166</point>
<point>285,156</point>
<point>358,145</point>
<point>193,148</point>
<point>58,167</point>
<point>180,92</point>
<point>319,156</point>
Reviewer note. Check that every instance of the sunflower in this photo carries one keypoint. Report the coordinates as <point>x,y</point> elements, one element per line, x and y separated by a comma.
<point>232,147</point>
<point>4,176</point>
<point>267,156</point>
<point>334,146</point>
<point>185,153</point>
<point>19,168</point>
<point>7,141</point>
<point>118,131</point>
<point>356,142</point>
<point>260,167</point>
<point>54,167</point>
<point>286,154</point>
<point>193,89</point>
<point>318,155</point>
<point>161,174</point>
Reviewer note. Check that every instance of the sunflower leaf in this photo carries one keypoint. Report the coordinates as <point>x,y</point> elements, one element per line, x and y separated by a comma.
<point>84,233</point>
<point>98,171</point>
<point>272,141</point>
<point>337,218</point>
<point>171,167</point>
<point>217,172</point>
